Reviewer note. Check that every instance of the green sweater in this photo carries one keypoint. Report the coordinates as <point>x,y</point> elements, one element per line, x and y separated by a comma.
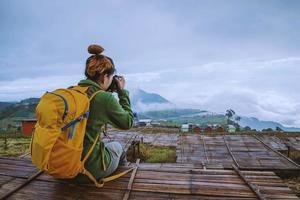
<point>104,108</point>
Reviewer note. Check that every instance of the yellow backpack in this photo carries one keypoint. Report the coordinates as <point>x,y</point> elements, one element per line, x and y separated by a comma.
<point>57,142</point>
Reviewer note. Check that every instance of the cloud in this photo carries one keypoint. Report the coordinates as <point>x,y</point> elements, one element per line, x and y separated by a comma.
<point>206,54</point>
<point>266,89</point>
<point>19,89</point>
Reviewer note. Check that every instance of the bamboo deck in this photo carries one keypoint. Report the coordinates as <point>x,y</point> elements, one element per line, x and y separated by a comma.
<point>275,142</point>
<point>246,152</point>
<point>294,143</point>
<point>249,152</point>
<point>159,139</point>
<point>151,181</point>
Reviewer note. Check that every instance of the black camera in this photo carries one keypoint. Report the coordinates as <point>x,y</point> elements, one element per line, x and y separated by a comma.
<point>114,86</point>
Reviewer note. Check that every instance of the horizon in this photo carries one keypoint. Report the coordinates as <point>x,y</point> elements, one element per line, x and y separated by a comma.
<point>211,55</point>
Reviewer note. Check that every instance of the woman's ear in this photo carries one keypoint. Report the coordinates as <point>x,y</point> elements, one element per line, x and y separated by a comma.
<point>101,79</point>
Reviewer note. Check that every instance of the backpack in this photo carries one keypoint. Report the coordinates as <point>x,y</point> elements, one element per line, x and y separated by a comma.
<point>57,142</point>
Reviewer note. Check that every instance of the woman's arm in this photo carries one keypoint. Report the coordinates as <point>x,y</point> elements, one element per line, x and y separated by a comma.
<point>119,114</point>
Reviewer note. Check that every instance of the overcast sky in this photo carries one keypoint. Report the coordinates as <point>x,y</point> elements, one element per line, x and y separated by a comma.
<point>211,55</point>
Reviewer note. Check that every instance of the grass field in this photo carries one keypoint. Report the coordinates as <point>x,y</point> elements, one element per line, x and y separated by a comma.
<point>14,145</point>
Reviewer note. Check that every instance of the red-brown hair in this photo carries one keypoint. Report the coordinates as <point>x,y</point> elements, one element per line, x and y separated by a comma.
<point>97,65</point>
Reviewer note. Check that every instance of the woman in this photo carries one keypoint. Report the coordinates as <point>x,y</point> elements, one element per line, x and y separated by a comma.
<point>104,108</point>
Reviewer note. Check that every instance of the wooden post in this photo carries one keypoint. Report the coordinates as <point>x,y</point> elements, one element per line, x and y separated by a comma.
<point>5,141</point>
<point>138,149</point>
<point>288,151</point>
<point>133,146</point>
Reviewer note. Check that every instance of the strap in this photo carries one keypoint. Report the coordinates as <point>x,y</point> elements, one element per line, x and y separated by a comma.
<point>107,179</point>
<point>85,90</point>
<point>84,115</point>
<point>91,149</point>
<point>65,102</point>
<point>94,94</point>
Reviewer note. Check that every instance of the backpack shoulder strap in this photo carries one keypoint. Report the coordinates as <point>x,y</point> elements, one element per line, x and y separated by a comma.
<point>89,91</point>
<point>95,93</point>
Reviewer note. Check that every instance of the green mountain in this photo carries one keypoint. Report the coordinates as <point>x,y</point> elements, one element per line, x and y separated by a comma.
<point>141,96</point>
<point>181,116</point>
<point>4,105</point>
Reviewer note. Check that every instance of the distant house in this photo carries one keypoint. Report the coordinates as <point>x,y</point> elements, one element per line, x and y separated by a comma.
<point>208,129</point>
<point>220,129</point>
<point>184,128</point>
<point>28,126</point>
<point>144,122</point>
<point>231,128</point>
<point>155,123</point>
<point>196,129</point>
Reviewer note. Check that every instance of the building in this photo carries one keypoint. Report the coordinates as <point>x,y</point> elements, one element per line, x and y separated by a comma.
<point>231,129</point>
<point>144,122</point>
<point>220,129</point>
<point>28,126</point>
<point>208,129</point>
<point>184,128</point>
<point>196,129</point>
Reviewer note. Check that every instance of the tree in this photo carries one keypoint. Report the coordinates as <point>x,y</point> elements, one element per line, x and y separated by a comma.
<point>278,129</point>
<point>233,119</point>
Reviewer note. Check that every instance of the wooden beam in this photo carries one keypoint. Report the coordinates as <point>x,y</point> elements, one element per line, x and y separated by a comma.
<point>35,175</point>
<point>231,154</point>
<point>280,154</point>
<point>204,147</point>
<point>253,188</point>
<point>128,143</point>
<point>129,187</point>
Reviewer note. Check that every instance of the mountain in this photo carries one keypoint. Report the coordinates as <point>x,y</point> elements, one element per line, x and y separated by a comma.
<point>257,124</point>
<point>139,95</point>
<point>4,105</point>
<point>30,101</point>
<point>22,109</point>
<point>171,114</point>
<point>197,116</point>
<point>179,116</point>
<point>142,101</point>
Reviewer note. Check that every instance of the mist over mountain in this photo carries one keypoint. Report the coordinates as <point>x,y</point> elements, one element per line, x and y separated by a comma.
<point>153,106</point>
<point>142,101</point>
<point>257,124</point>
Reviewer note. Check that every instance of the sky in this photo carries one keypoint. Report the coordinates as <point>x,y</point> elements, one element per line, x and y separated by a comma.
<point>212,55</point>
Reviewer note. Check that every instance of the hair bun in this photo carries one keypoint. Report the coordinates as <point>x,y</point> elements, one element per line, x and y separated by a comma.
<point>95,49</point>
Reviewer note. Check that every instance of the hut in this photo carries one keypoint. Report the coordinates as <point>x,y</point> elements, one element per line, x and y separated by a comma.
<point>231,129</point>
<point>208,129</point>
<point>185,128</point>
<point>196,129</point>
<point>144,122</point>
<point>28,126</point>
<point>220,129</point>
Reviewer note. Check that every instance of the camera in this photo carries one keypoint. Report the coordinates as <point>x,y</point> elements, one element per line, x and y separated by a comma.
<point>114,86</point>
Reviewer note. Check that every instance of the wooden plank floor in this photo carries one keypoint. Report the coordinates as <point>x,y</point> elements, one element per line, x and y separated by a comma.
<point>157,139</point>
<point>152,181</point>
<point>245,151</point>
<point>274,142</point>
<point>294,142</point>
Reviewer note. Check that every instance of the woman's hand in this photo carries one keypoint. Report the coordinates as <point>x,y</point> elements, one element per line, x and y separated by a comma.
<point>120,82</point>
